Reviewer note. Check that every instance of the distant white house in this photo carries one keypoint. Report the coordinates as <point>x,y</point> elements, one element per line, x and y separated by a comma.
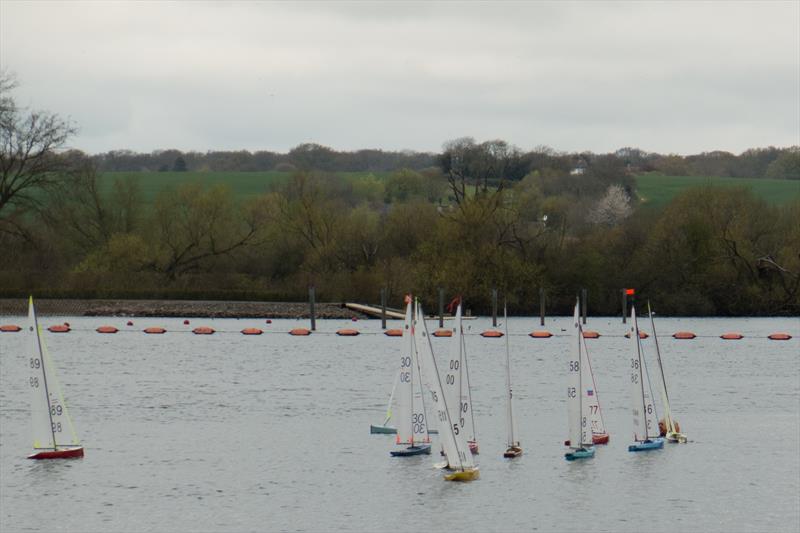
<point>579,169</point>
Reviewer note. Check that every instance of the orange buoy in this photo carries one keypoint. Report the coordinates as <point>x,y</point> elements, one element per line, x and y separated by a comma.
<point>106,329</point>
<point>300,331</point>
<point>779,337</point>
<point>591,334</point>
<point>642,335</point>
<point>732,336</point>
<point>684,335</point>
<point>185,322</point>
<point>443,333</point>
<point>58,328</point>
<point>203,330</point>
<point>155,330</point>
<point>492,333</point>
<point>251,331</point>
<point>540,334</point>
<point>347,332</point>
<point>393,332</point>
<point>10,328</point>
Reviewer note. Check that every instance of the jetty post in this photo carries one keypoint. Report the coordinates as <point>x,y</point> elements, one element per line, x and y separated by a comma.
<point>624,306</point>
<point>311,298</point>
<point>383,307</point>
<point>494,308</point>
<point>541,306</point>
<point>584,298</point>
<point>441,307</point>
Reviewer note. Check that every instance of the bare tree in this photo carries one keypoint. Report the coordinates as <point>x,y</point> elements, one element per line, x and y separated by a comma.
<point>29,162</point>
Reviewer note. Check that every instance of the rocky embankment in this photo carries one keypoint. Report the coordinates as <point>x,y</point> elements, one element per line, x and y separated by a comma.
<point>175,308</point>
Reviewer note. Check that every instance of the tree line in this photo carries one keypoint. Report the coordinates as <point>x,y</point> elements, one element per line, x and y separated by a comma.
<point>484,215</point>
<point>769,162</point>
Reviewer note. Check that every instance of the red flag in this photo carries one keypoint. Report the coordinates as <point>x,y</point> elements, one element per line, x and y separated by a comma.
<point>630,292</point>
<point>451,307</point>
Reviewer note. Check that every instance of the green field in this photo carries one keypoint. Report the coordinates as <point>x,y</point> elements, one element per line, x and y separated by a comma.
<point>656,190</point>
<point>242,184</point>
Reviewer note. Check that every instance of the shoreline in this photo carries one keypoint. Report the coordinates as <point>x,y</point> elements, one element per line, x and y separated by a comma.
<point>177,308</point>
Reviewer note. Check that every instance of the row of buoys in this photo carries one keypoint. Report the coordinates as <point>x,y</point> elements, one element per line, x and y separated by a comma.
<point>540,334</point>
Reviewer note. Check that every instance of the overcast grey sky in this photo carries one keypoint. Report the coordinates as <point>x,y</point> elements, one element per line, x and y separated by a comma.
<point>668,77</point>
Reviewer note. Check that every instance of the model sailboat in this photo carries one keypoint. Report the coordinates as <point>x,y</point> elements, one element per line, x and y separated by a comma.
<point>54,435</point>
<point>591,396</point>
<point>412,427</point>
<point>580,432</point>
<point>513,448</point>
<point>645,427</point>
<point>457,385</point>
<point>460,463</point>
<point>672,433</point>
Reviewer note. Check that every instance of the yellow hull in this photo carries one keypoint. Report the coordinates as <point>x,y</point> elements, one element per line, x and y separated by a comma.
<point>674,436</point>
<point>463,475</point>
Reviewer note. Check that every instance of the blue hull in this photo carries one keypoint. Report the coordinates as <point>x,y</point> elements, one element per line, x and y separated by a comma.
<point>420,449</point>
<point>653,444</point>
<point>583,453</point>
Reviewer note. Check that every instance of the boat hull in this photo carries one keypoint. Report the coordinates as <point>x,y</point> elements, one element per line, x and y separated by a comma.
<point>388,430</point>
<point>676,437</point>
<point>513,451</point>
<point>384,430</point>
<point>583,453</point>
<point>63,453</point>
<point>597,438</point>
<point>653,444</point>
<point>420,449</point>
<point>469,474</point>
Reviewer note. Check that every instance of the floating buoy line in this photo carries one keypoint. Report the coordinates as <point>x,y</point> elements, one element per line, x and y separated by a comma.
<point>394,332</point>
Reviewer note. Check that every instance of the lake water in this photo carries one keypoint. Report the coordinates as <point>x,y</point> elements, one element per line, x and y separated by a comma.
<point>235,433</point>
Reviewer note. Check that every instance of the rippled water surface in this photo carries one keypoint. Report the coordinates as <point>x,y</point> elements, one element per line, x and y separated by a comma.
<point>234,433</point>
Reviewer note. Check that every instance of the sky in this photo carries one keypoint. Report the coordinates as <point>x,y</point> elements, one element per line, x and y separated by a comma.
<point>668,77</point>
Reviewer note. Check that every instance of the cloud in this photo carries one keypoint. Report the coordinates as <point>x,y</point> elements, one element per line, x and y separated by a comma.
<point>671,77</point>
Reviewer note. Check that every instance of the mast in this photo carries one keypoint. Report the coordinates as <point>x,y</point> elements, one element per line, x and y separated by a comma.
<point>641,380</point>
<point>667,410</point>
<point>511,440</point>
<point>44,373</point>
<point>440,388</point>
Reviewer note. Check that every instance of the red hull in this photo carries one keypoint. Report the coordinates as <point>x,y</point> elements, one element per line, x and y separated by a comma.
<point>69,453</point>
<point>596,439</point>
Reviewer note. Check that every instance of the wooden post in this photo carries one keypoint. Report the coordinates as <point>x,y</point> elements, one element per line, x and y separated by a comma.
<point>584,298</point>
<point>441,307</point>
<point>624,306</point>
<point>383,307</point>
<point>541,306</point>
<point>311,298</point>
<point>494,308</point>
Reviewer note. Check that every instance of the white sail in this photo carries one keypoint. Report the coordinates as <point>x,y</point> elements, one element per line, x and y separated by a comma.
<point>453,440</point>
<point>643,409</point>
<point>590,394</point>
<point>661,379</point>
<point>404,393</point>
<point>456,380</point>
<point>51,424</point>
<point>467,414</point>
<point>650,412</point>
<point>512,438</point>
<point>453,373</point>
<point>574,396</point>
